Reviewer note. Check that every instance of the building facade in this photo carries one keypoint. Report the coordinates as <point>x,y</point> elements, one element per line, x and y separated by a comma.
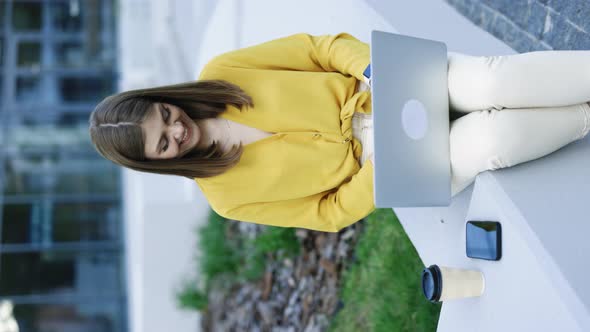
<point>62,261</point>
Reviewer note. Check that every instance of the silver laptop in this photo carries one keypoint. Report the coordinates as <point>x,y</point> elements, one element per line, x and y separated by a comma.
<point>410,121</point>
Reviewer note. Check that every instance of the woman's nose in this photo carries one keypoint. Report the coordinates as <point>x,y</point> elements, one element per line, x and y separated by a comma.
<point>177,131</point>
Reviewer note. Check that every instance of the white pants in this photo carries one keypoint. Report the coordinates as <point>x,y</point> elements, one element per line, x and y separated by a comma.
<point>513,108</point>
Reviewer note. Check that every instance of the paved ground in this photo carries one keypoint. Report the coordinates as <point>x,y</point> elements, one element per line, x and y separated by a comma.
<point>528,25</point>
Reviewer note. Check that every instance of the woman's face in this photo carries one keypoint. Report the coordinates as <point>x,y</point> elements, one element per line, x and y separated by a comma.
<point>168,132</point>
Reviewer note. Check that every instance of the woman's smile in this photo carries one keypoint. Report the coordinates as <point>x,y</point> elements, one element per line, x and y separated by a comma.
<point>187,134</point>
<point>185,142</point>
<point>169,132</point>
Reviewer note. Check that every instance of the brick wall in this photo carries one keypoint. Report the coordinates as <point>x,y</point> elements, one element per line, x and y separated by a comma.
<point>529,25</point>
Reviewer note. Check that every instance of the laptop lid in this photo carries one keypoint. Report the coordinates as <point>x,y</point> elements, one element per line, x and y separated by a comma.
<point>410,121</point>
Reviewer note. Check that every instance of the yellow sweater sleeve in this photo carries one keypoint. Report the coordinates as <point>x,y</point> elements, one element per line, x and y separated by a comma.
<point>303,52</point>
<point>328,211</point>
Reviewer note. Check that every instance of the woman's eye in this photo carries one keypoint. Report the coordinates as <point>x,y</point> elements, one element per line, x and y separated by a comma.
<point>165,118</point>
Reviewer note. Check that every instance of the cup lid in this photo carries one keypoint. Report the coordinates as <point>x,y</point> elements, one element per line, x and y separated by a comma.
<point>432,283</point>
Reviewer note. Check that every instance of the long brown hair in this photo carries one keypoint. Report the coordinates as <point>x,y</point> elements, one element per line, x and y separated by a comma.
<point>116,133</point>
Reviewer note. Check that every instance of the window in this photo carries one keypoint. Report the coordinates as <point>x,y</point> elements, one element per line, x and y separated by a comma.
<point>29,54</point>
<point>1,47</point>
<point>66,16</point>
<point>69,222</point>
<point>90,53</point>
<point>60,272</point>
<point>99,316</point>
<point>16,223</point>
<point>28,88</point>
<point>26,16</point>
<point>70,54</point>
<point>66,173</point>
<point>2,5</point>
<point>77,89</point>
<point>75,222</point>
<point>69,119</point>
<point>102,180</point>
<point>37,272</point>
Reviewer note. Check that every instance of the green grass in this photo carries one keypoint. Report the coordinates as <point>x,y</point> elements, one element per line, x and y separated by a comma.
<point>279,241</point>
<point>382,290</point>
<point>217,259</point>
<point>230,259</point>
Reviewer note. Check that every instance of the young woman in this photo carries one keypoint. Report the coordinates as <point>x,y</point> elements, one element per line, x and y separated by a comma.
<point>279,133</point>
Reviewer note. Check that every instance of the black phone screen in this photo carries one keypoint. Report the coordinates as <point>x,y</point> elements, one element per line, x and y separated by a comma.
<point>483,239</point>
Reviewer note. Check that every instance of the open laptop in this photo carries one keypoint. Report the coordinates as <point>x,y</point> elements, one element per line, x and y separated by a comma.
<point>410,112</point>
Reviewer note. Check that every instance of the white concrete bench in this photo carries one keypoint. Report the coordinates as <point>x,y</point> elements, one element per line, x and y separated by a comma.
<point>540,282</point>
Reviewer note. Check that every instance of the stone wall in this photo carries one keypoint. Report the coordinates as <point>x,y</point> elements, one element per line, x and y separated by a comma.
<point>530,25</point>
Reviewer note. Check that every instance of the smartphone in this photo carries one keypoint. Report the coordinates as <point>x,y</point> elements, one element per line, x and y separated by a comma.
<point>483,239</point>
<point>367,71</point>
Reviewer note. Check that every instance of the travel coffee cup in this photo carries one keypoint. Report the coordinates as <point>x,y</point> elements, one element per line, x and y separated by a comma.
<point>440,283</point>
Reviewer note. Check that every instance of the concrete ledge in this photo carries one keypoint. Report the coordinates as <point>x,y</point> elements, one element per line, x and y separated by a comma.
<point>547,200</point>
<point>539,284</point>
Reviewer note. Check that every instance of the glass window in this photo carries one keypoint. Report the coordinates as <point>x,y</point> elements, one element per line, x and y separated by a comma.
<point>1,46</point>
<point>27,182</point>
<point>90,316</point>
<point>37,272</point>
<point>70,54</point>
<point>28,88</point>
<point>69,222</point>
<point>2,5</point>
<point>105,182</point>
<point>29,174</point>
<point>91,52</point>
<point>66,16</point>
<point>16,223</point>
<point>69,119</point>
<point>75,222</point>
<point>91,89</point>
<point>61,272</point>
<point>26,15</point>
<point>29,54</point>
<point>68,173</point>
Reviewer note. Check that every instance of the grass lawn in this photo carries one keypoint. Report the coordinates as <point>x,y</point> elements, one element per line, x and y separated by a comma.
<point>382,290</point>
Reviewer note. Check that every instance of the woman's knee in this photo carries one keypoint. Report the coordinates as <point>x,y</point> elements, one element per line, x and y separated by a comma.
<point>502,138</point>
<point>472,83</point>
<point>477,142</point>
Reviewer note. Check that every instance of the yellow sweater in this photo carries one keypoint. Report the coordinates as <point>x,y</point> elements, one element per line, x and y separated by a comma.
<point>307,175</point>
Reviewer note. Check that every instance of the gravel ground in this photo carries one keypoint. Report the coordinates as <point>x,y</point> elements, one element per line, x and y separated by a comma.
<point>293,295</point>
